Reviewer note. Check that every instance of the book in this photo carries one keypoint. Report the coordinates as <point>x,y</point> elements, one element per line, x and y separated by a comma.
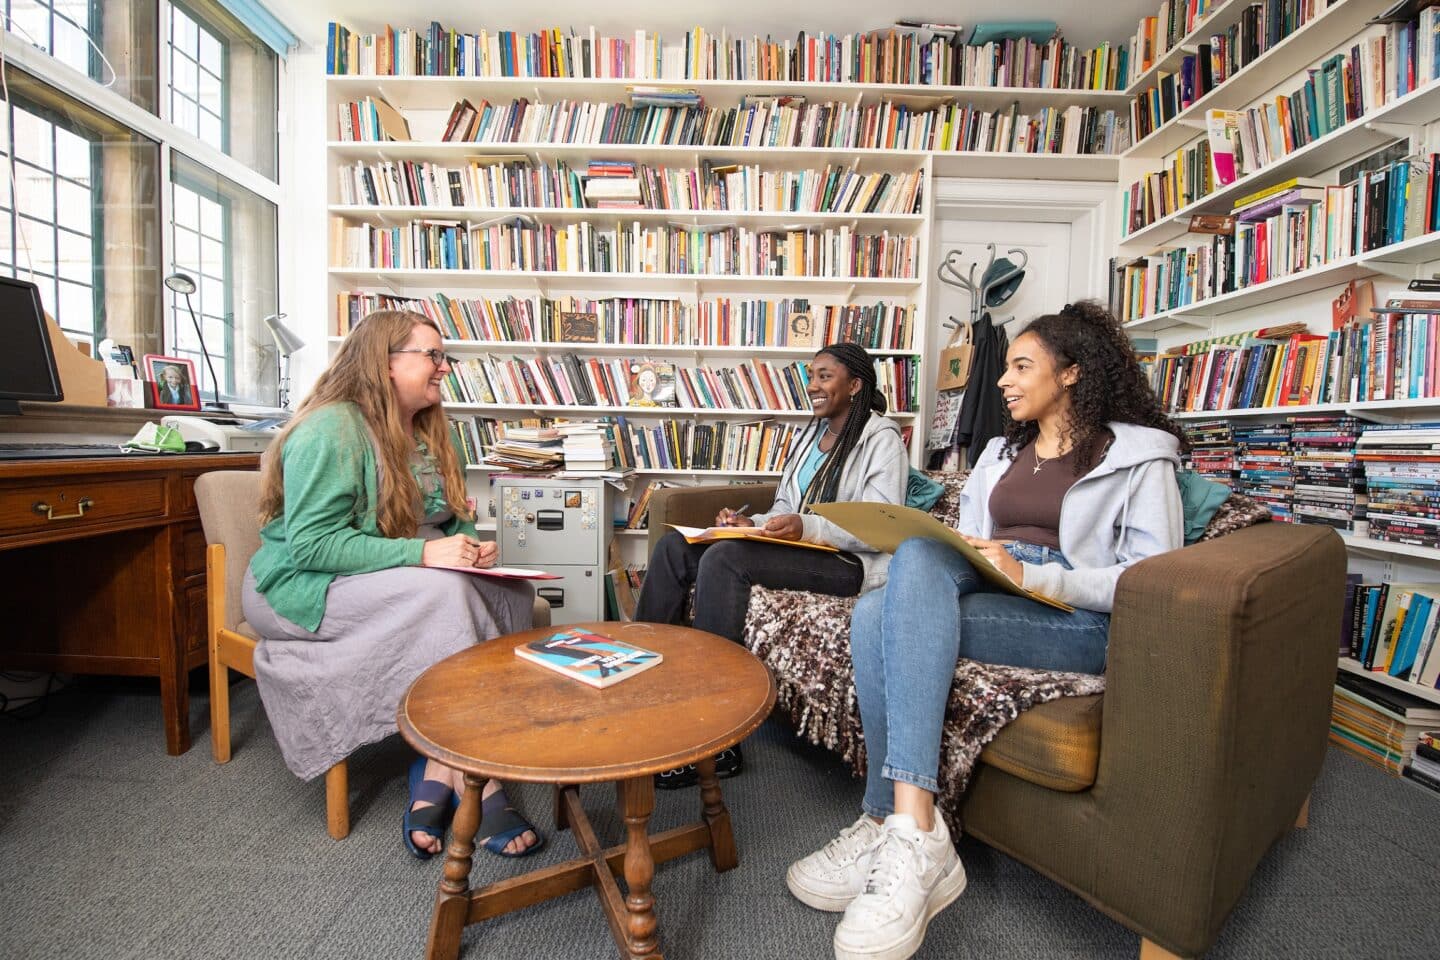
<point>652,384</point>
<point>591,658</point>
<point>885,526</point>
<point>1222,130</point>
<point>800,330</point>
<point>579,327</point>
<point>714,534</point>
<point>503,573</point>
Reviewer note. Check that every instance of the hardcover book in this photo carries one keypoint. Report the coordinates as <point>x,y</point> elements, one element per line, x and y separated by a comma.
<point>591,658</point>
<point>652,384</point>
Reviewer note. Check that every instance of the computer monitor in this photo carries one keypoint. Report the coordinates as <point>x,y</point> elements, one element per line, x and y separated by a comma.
<point>27,362</point>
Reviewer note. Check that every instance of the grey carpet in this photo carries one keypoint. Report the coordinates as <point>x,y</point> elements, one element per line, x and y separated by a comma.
<point>111,849</point>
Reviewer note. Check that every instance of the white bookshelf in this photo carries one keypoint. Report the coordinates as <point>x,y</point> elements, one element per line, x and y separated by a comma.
<point>1222,17</point>
<point>1350,665</point>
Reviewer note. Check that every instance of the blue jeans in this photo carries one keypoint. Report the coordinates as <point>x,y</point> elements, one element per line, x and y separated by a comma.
<point>905,639</point>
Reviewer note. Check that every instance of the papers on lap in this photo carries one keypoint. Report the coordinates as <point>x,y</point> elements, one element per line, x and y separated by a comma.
<point>504,573</point>
<point>591,658</point>
<point>885,526</point>
<point>712,534</point>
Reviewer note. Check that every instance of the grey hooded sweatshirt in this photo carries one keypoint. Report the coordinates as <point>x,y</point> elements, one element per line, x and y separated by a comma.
<point>876,469</point>
<point>1125,509</point>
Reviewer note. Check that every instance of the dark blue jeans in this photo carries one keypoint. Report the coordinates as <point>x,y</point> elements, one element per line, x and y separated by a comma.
<point>906,638</point>
<point>723,574</point>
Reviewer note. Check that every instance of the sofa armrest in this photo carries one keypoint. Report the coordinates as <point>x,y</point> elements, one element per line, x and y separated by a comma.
<point>697,506</point>
<point>1216,716</point>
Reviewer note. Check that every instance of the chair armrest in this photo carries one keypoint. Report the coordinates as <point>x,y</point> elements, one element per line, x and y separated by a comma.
<point>1216,713</point>
<point>697,506</point>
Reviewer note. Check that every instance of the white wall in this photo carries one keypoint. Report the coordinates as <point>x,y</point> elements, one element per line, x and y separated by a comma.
<point>304,257</point>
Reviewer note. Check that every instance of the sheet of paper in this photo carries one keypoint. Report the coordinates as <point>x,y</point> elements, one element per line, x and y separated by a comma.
<point>885,526</point>
<point>508,573</point>
<point>712,534</point>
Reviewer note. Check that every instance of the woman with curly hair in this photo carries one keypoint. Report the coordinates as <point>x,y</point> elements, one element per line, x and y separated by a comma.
<point>1081,486</point>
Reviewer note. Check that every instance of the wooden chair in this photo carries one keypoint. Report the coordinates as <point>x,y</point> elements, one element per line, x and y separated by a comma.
<point>229,502</point>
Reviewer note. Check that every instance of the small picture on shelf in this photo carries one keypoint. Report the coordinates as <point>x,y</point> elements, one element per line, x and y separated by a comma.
<point>579,327</point>
<point>652,384</point>
<point>1213,223</point>
<point>172,382</point>
<point>800,331</point>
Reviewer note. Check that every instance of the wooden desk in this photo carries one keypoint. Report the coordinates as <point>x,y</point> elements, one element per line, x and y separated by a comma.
<point>111,579</point>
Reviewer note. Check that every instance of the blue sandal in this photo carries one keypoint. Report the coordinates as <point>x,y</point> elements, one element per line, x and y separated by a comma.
<point>505,824</point>
<point>432,819</point>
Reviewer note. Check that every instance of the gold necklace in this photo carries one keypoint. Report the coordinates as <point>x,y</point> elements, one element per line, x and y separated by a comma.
<point>1039,461</point>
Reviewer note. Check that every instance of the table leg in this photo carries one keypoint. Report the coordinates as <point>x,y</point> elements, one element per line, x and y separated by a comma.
<point>452,900</point>
<point>723,855</point>
<point>562,821</point>
<point>637,802</point>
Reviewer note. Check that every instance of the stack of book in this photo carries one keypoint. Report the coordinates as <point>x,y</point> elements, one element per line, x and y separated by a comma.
<point>585,446</point>
<point>1402,480</point>
<point>1329,488</point>
<point>1392,631</point>
<point>527,449</point>
<point>1263,459</point>
<point>1424,767</point>
<point>1212,450</point>
<point>639,515</point>
<point>1378,724</point>
<point>612,185</point>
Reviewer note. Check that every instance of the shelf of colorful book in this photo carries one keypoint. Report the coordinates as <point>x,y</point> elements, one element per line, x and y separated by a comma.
<point>1290,56</point>
<point>441,93</point>
<point>1225,14</point>
<point>477,347</point>
<point>988,165</point>
<point>1378,411</point>
<point>1397,259</point>
<point>710,412</point>
<point>1350,665</point>
<point>740,218</point>
<point>638,284</point>
<point>647,472</point>
<point>1416,109</point>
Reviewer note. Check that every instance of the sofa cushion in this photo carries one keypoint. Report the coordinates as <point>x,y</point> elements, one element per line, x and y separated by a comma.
<point>1054,744</point>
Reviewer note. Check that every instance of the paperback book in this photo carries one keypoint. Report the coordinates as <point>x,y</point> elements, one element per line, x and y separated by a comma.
<point>591,658</point>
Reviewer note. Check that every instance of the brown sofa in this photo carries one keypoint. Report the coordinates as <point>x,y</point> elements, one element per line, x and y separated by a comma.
<point>1214,719</point>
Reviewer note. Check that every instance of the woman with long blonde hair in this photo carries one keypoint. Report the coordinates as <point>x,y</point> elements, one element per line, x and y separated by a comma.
<point>362,490</point>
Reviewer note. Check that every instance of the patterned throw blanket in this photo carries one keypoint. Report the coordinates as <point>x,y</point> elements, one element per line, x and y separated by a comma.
<point>804,638</point>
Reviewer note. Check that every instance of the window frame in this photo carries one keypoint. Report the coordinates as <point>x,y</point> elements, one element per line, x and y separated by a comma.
<point>201,23</point>
<point>227,228</point>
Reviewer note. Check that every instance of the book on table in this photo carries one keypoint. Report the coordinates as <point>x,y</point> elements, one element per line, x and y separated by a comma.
<point>885,526</point>
<point>716,534</point>
<point>589,657</point>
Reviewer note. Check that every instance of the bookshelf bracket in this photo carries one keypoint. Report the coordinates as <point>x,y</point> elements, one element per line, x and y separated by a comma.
<point>1397,130</point>
<point>1189,122</point>
<point>1393,269</point>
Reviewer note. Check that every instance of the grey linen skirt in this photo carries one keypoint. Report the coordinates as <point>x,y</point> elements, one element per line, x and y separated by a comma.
<point>328,692</point>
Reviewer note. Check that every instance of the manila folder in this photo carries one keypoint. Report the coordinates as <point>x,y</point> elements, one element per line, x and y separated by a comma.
<point>885,526</point>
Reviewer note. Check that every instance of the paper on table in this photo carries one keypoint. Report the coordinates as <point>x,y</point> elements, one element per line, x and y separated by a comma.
<point>712,534</point>
<point>885,526</point>
<point>507,573</point>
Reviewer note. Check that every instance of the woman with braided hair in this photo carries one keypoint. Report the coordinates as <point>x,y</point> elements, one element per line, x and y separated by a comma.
<point>1080,486</point>
<point>850,451</point>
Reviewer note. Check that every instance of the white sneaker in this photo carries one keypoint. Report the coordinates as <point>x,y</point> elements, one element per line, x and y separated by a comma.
<point>913,875</point>
<point>834,875</point>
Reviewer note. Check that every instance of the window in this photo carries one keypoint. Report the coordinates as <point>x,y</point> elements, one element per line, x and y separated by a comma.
<point>63,166</point>
<point>223,238</point>
<point>222,84</point>
<point>110,41</point>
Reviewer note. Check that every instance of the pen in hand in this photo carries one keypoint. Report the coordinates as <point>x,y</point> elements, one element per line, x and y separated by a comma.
<point>729,517</point>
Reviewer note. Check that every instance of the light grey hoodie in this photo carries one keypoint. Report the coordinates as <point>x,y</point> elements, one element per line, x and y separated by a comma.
<point>876,469</point>
<point>1126,509</point>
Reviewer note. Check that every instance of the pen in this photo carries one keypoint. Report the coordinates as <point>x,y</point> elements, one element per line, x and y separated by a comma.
<point>740,511</point>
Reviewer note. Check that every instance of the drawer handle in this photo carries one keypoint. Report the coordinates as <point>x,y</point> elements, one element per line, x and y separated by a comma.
<point>49,512</point>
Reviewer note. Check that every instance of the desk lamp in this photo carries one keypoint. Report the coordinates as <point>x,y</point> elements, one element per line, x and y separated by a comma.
<point>185,284</point>
<point>286,343</point>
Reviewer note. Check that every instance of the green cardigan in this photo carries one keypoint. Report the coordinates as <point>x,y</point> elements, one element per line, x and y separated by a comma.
<point>327,527</point>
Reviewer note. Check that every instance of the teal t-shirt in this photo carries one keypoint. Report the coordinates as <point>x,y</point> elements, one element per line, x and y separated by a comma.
<point>809,466</point>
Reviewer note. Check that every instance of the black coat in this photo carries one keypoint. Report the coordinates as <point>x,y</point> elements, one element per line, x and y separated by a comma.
<point>982,411</point>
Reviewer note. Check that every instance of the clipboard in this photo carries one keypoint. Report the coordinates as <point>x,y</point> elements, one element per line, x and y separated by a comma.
<point>714,534</point>
<point>885,526</point>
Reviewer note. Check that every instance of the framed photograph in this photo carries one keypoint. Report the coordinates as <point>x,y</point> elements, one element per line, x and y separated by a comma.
<point>172,382</point>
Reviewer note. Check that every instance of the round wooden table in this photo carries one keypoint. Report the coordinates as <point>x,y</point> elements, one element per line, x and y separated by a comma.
<point>491,714</point>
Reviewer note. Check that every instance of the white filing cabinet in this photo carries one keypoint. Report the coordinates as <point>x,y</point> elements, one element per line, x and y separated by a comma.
<point>561,526</point>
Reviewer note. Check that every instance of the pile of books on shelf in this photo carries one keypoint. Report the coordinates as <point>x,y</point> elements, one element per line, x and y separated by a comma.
<point>1392,631</point>
<point>586,446</point>
<point>1424,766</point>
<point>1263,463</point>
<point>935,55</point>
<point>527,449</point>
<point>1379,724</point>
<point>1212,450</point>
<point>1402,482</point>
<point>612,185</point>
<point>1329,486</point>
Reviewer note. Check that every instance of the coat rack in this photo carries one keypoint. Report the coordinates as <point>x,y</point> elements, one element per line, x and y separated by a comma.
<point>990,280</point>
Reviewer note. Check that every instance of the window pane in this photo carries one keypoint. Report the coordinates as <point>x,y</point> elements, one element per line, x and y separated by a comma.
<point>127,32</point>
<point>217,63</point>
<point>110,230</point>
<point>232,257</point>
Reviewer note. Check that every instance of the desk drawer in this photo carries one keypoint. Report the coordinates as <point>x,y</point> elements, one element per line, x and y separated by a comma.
<point>81,503</point>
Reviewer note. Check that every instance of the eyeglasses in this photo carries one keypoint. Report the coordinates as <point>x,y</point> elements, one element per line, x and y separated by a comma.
<point>438,357</point>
